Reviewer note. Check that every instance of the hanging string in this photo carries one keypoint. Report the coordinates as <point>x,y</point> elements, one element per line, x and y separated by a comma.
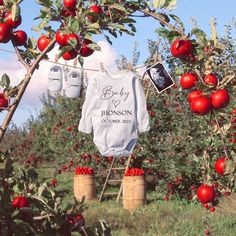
<point>63,64</point>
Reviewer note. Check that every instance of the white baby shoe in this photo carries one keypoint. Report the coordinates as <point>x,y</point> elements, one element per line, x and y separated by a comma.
<point>55,79</point>
<point>73,85</point>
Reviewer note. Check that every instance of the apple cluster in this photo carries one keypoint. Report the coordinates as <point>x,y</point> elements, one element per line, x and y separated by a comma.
<point>80,44</point>
<point>81,170</point>
<point>200,102</point>
<point>134,172</point>
<point>7,29</point>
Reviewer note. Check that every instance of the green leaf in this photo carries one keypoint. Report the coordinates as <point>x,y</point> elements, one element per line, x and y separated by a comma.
<point>113,33</point>
<point>36,28</point>
<point>94,46</point>
<point>65,49</point>
<point>173,35</point>
<point>44,23</point>
<point>40,199</point>
<point>108,39</point>
<point>127,20</point>
<point>158,3</point>
<point>73,42</point>
<point>132,28</point>
<point>15,213</point>
<point>41,190</point>
<point>5,81</point>
<point>44,2</point>
<point>52,194</point>
<point>178,21</point>
<point>202,87</point>
<point>32,43</point>
<point>81,61</point>
<point>200,35</point>
<point>170,4</point>
<point>66,206</point>
<point>94,28</point>
<point>118,7</point>
<point>165,17</point>
<point>45,9</point>
<point>162,32</point>
<point>74,25</point>
<point>179,71</point>
<point>15,11</point>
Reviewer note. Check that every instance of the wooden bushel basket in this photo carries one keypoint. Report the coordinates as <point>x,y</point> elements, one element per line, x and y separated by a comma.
<point>134,191</point>
<point>85,186</point>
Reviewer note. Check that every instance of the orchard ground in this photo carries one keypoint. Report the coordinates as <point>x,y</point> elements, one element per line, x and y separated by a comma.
<point>157,218</point>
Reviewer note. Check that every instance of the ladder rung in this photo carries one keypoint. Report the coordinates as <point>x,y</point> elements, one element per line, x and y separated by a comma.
<point>110,193</point>
<point>114,180</point>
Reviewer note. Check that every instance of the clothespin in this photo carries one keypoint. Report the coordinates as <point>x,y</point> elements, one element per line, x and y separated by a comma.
<point>56,58</point>
<point>102,68</point>
<point>130,67</point>
<point>75,62</point>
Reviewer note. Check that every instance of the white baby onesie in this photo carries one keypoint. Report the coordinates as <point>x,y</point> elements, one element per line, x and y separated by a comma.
<point>115,109</point>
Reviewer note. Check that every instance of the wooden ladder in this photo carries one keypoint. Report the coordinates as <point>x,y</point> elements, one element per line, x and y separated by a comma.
<point>108,180</point>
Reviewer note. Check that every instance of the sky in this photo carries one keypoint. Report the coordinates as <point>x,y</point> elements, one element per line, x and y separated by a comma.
<point>201,10</point>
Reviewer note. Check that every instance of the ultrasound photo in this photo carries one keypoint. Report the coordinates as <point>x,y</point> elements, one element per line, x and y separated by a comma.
<point>159,77</point>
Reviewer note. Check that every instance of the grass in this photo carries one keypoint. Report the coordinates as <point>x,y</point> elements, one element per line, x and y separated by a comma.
<point>157,218</point>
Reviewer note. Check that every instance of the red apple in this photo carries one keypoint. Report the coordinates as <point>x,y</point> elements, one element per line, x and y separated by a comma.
<point>70,4</point>
<point>9,21</point>
<point>219,165</point>
<point>71,37</point>
<point>19,37</point>
<point>72,54</point>
<point>181,48</point>
<point>67,13</point>
<point>210,80</point>
<point>97,12</point>
<point>20,202</point>
<point>188,80</point>
<point>206,194</point>
<point>4,101</point>
<point>194,94</point>
<point>201,105</point>
<point>60,38</point>
<point>5,33</point>
<point>43,42</point>
<point>85,51</point>
<point>220,98</point>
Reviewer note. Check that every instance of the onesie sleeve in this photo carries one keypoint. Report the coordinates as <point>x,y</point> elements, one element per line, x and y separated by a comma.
<point>142,113</point>
<point>85,124</point>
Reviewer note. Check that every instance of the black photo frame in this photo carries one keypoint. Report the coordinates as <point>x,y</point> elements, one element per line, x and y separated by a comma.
<point>160,77</point>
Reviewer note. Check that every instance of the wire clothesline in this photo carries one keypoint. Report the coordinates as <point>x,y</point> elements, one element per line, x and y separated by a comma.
<point>62,64</point>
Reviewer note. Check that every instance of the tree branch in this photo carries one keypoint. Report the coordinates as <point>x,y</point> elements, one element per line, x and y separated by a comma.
<point>25,64</point>
<point>41,217</point>
<point>22,89</point>
<point>157,17</point>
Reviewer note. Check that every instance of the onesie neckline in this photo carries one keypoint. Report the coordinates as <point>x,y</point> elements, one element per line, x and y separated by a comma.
<point>118,76</point>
